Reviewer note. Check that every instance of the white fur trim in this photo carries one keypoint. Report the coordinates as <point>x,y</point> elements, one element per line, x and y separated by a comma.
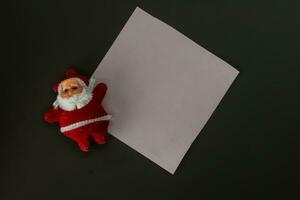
<point>84,123</point>
<point>91,86</point>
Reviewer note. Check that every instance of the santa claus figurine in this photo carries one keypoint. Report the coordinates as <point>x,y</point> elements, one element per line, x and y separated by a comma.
<point>78,110</point>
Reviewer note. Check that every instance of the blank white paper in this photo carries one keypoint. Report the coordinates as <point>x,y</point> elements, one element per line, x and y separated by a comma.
<point>162,88</point>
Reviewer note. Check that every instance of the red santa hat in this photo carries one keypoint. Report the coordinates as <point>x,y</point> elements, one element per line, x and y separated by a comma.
<point>72,73</point>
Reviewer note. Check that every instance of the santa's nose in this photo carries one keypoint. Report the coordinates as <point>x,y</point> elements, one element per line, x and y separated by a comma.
<point>69,94</point>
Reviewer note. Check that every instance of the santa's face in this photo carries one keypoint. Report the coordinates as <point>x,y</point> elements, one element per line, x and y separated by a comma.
<point>70,87</point>
<point>73,94</point>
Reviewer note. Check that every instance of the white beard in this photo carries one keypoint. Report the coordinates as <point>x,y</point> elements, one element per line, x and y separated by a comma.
<point>77,101</point>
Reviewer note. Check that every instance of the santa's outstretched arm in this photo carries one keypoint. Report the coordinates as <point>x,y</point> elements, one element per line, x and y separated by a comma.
<point>52,115</point>
<point>100,91</point>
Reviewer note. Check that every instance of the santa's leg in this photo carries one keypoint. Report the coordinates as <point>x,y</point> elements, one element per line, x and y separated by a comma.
<point>100,137</point>
<point>82,140</point>
<point>100,134</point>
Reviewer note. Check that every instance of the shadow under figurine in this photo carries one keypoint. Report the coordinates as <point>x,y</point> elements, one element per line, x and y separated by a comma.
<point>78,110</point>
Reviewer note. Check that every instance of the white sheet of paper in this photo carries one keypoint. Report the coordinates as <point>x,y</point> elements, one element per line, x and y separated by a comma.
<point>162,88</point>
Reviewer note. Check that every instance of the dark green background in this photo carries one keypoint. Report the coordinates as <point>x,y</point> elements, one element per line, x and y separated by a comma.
<point>249,149</point>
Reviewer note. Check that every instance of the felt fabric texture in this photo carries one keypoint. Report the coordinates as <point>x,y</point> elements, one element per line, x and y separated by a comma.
<point>82,135</point>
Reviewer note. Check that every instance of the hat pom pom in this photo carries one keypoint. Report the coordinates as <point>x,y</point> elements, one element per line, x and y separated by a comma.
<point>55,87</point>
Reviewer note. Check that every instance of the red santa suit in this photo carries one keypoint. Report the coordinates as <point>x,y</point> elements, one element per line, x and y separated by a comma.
<point>90,121</point>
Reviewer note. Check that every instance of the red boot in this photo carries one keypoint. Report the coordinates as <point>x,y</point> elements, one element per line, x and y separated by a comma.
<point>100,138</point>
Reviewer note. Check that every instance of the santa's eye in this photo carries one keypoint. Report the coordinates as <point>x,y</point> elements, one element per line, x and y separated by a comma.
<point>74,88</point>
<point>66,90</point>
